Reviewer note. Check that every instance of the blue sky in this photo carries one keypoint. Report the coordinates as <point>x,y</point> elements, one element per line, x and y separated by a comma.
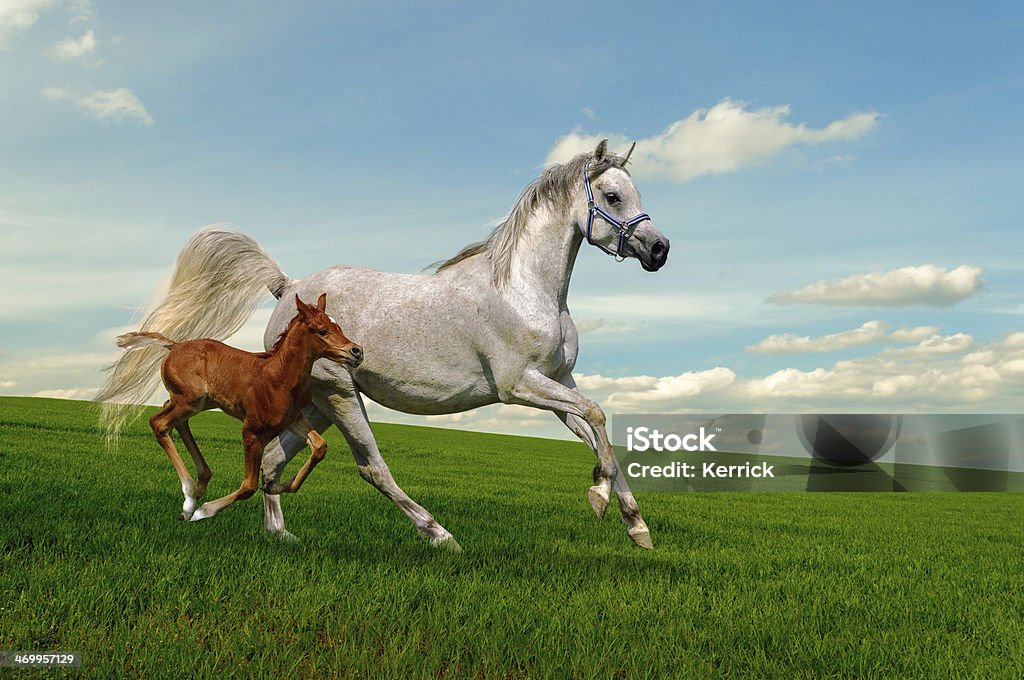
<point>869,151</point>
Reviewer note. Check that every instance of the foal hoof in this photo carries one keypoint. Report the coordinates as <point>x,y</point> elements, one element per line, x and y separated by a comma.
<point>185,516</point>
<point>598,501</point>
<point>446,543</point>
<point>642,538</point>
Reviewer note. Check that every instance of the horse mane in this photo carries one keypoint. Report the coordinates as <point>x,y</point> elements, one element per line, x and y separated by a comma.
<point>554,187</point>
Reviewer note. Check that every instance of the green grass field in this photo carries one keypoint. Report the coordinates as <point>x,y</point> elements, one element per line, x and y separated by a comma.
<point>739,584</point>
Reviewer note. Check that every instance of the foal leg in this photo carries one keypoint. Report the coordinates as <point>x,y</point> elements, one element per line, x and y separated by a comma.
<point>301,428</point>
<point>162,422</point>
<point>250,482</point>
<point>203,471</point>
<point>537,390</point>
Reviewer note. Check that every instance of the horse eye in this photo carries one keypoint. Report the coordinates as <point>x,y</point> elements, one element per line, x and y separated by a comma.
<point>322,331</point>
<point>612,198</point>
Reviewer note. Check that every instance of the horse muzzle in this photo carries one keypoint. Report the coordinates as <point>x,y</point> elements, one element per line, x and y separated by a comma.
<point>656,256</point>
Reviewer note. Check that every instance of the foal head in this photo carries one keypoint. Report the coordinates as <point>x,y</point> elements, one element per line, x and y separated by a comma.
<point>326,338</point>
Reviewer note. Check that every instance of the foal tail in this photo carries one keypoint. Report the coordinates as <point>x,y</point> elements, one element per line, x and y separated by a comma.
<point>133,341</point>
<point>219,278</point>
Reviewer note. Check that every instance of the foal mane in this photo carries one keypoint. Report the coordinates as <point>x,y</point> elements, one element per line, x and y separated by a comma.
<point>555,187</point>
<point>284,333</point>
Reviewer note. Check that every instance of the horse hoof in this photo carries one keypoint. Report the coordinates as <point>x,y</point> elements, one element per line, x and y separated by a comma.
<point>642,538</point>
<point>446,543</point>
<point>283,536</point>
<point>198,515</point>
<point>598,501</point>
<point>185,516</point>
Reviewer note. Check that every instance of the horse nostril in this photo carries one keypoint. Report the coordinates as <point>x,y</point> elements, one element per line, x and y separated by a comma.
<point>357,352</point>
<point>658,249</point>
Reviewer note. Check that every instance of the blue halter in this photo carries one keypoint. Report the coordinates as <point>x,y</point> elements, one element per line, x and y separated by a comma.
<point>625,228</point>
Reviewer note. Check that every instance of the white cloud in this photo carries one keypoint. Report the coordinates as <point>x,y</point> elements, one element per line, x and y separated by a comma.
<point>869,333</point>
<point>936,344</point>
<point>787,343</point>
<point>120,105</point>
<point>923,285</point>
<point>653,394</point>
<point>934,375</point>
<point>599,327</point>
<point>722,139</point>
<point>82,11</point>
<point>69,393</point>
<point>73,48</point>
<point>18,15</point>
<point>921,378</point>
<point>915,334</point>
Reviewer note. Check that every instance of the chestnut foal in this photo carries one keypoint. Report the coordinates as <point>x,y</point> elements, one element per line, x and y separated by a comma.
<point>266,391</point>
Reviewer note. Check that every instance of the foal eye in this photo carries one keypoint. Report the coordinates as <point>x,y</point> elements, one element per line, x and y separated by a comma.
<point>322,331</point>
<point>612,198</point>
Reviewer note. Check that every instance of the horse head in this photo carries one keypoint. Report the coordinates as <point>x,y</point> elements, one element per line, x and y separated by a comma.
<point>608,212</point>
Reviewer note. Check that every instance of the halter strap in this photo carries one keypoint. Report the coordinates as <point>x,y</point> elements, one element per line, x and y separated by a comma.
<point>625,228</point>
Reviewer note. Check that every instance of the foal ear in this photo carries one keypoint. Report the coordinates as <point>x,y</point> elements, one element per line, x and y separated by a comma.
<point>321,302</point>
<point>601,150</point>
<point>300,305</point>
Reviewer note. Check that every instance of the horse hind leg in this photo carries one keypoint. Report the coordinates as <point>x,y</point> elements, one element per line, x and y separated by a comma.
<point>203,472</point>
<point>162,422</point>
<point>318,450</point>
<point>276,456</point>
<point>250,481</point>
<point>349,415</point>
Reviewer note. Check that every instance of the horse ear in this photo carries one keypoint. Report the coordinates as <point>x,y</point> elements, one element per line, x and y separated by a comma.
<point>601,150</point>
<point>300,305</point>
<point>321,302</point>
<point>628,154</point>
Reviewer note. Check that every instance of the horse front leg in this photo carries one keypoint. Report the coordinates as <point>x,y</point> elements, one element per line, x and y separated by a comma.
<point>628,507</point>
<point>539,391</point>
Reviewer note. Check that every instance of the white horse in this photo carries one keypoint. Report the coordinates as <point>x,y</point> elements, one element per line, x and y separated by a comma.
<point>489,325</point>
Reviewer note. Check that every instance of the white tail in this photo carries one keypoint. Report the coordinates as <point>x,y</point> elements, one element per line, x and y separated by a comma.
<point>218,280</point>
<point>130,342</point>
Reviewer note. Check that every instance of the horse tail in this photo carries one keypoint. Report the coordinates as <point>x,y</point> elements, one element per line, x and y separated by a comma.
<point>133,341</point>
<point>218,280</point>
